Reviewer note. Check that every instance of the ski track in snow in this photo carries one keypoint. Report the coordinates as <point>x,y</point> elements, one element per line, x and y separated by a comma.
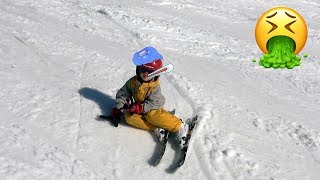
<point>80,105</point>
<point>64,43</point>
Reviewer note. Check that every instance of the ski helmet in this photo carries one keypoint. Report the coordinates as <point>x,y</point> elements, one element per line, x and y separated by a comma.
<point>152,66</point>
<point>149,68</point>
<point>146,55</point>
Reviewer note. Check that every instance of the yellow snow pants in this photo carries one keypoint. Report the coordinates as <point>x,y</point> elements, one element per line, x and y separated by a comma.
<point>153,119</point>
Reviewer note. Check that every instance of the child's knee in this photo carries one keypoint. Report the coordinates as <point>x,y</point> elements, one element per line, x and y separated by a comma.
<point>154,115</point>
<point>163,119</point>
<point>138,121</point>
<point>130,118</point>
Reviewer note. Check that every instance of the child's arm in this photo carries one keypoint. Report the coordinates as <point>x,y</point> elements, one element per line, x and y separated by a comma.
<point>122,95</point>
<point>154,101</point>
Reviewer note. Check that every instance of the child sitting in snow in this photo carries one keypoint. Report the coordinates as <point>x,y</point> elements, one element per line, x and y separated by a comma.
<point>147,110</point>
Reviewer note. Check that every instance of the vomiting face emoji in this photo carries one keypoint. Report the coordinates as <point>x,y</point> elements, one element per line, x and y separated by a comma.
<point>281,33</point>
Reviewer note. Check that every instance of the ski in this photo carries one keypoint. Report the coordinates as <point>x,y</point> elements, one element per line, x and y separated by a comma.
<point>162,147</point>
<point>184,149</point>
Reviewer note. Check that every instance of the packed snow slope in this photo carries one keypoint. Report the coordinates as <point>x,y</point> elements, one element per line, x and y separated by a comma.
<point>62,61</point>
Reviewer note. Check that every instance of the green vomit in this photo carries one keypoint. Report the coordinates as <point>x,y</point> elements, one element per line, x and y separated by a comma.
<point>281,54</point>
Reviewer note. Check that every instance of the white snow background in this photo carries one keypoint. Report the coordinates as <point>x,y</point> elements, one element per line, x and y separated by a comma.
<point>62,61</point>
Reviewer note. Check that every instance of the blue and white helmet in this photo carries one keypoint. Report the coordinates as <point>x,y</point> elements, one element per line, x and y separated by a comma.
<point>146,55</point>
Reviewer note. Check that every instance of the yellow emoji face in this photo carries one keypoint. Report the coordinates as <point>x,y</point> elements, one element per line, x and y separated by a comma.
<point>281,21</point>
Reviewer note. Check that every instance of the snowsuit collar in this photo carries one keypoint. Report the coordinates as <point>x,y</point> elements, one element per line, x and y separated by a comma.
<point>142,90</point>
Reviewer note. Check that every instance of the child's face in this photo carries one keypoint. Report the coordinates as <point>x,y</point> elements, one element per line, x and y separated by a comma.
<point>144,76</point>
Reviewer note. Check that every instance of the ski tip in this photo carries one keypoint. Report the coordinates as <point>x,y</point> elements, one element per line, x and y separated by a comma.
<point>172,169</point>
<point>194,119</point>
<point>156,163</point>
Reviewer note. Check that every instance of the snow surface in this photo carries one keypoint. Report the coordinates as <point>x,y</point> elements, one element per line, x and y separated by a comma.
<point>62,62</point>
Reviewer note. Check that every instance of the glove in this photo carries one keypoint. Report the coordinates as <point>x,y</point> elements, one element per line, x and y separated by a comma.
<point>136,108</point>
<point>116,113</point>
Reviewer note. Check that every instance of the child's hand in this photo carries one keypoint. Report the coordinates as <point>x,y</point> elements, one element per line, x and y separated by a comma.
<point>136,108</point>
<point>116,113</point>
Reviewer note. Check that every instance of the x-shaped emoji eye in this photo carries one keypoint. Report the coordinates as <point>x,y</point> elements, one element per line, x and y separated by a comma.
<point>274,26</point>
<point>288,26</point>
